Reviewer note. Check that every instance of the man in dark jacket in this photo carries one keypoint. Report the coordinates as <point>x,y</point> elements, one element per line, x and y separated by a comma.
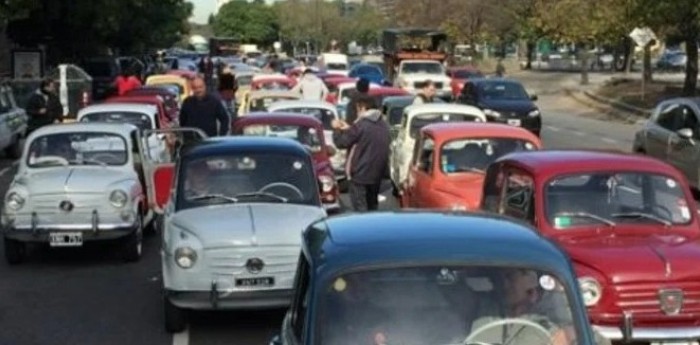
<point>204,111</point>
<point>44,107</point>
<point>362,88</point>
<point>368,159</point>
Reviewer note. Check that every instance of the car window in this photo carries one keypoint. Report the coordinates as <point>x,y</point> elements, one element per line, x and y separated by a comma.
<point>394,115</point>
<point>607,198</point>
<point>668,117</point>
<point>518,196</point>
<point>423,67</point>
<point>422,120</point>
<point>495,90</point>
<point>689,120</point>
<point>493,186</point>
<point>78,148</point>
<point>476,154</point>
<point>426,155</point>
<point>324,115</point>
<point>307,136</point>
<point>450,304</point>
<point>140,120</point>
<point>365,69</point>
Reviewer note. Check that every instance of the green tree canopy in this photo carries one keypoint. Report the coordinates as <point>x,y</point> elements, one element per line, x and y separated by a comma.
<point>252,22</point>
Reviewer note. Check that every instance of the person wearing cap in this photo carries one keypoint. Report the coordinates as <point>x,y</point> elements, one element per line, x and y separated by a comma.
<point>311,87</point>
<point>426,93</point>
<point>361,88</point>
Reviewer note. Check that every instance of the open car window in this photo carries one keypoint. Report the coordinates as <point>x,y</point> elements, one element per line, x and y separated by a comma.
<point>446,305</point>
<point>476,154</point>
<point>80,148</point>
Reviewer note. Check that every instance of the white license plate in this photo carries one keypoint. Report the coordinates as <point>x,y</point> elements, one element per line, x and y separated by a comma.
<point>66,239</point>
<point>514,122</point>
<point>255,282</point>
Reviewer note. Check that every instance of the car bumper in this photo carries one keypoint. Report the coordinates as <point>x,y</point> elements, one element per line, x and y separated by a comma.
<point>94,230</point>
<point>533,124</point>
<point>208,300</point>
<point>642,334</point>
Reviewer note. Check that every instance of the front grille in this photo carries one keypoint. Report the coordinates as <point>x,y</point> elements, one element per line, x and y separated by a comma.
<point>49,204</point>
<point>642,300</point>
<point>279,260</point>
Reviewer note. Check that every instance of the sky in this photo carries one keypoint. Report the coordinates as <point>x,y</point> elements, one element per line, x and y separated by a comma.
<point>202,9</point>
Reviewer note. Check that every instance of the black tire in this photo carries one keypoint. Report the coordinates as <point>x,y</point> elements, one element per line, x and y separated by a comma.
<point>154,226</point>
<point>14,151</point>
<point>175,318</point>
<point>15,251</point>
<point>133,244</point>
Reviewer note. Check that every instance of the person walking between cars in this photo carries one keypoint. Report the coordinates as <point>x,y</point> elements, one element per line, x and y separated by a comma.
<point>204,111</point>
<point>206,68</point>
<point>44,106</point>
<point>362,88</point>
<point>426,93</point>
<point>127,81</point>
<point>311,87</point>
<point>368,140</point>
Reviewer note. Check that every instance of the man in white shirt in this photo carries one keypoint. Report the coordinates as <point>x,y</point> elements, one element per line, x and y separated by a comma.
<point>311,87</point>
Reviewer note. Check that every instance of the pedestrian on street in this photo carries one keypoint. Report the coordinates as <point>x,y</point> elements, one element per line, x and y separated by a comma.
<point>127,81</point>
<point>227,92</point>
<point>204,111</point>
<point>206,68</point>
<point>426,93</point>
<point>368,140</point>
<point>361,88</point>
<point>500,69</point>
<point>44,106</point>
<point>311,87</point>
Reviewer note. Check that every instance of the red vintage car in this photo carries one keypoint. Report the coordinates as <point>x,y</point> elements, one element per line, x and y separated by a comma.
<point>380,93</point>
<point>170,98</point>
<point>629,224</point>
<point>164,119</point>
<point>450,161</point>
<point>272,82</point>
<point>459,76</point>
<point>307,130</point>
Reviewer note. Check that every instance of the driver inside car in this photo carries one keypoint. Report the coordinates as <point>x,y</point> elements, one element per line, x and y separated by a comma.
<point>197,181</point>
<point>499,320</point>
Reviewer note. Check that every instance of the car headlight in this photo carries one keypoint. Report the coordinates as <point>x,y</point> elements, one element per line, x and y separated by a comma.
<point>185,257</point>
<point>493,113</point>
<point>118,198</point>
<point>327,183</point>
<point>590,290</point>
<point>534,113</point>
<point>14,201</point>
<point>458,207</point>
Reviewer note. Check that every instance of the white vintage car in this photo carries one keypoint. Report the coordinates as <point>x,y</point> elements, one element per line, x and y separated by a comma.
<point>412,73</point>
<point>416,117</point>
<point>76,183</point>
<point>143,116</point>
<point>326,113</point>
<point>233,225</point>
<point>345,90</point>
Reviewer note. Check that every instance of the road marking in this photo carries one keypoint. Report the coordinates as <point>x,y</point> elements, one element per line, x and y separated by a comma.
<point>609,141</point>
<point>553,129</point>
<point>182,338</point>
<point>4,171</point>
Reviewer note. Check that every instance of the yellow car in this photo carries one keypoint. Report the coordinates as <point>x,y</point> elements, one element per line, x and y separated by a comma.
<point>181,83</point>
<point>259,100</point>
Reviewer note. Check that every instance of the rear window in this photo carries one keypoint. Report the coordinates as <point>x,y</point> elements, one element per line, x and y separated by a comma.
<point>140,120</point>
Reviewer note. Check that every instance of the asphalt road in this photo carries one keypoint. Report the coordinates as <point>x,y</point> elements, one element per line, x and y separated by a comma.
<point>89,296</point>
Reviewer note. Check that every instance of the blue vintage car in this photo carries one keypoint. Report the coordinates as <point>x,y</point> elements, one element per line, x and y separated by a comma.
<point>432,278</point>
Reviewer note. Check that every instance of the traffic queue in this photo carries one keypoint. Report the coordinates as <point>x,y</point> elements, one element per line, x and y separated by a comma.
<point>502,240</point>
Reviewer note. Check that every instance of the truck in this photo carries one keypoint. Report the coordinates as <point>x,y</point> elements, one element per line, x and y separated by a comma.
<point>224,46</point>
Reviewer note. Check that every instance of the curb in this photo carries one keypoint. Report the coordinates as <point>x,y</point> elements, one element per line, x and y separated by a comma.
<point>583,98</point>
<point>619,105</point>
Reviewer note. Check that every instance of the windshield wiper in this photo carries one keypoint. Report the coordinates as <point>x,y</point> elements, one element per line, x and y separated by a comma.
<point>269,195</point>
<point>214,196</point>
<point>587,215</point>
<point>663,221</point>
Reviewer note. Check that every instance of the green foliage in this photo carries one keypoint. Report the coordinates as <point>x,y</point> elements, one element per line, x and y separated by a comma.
<point>13,9</point>
<point>250,22</point>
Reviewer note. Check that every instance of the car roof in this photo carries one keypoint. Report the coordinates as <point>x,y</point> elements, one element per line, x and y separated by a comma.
<point>131,107</point>
<point>257,77</point>
<point>413,110</point>
<point>252,144</point>
<point>123,129</point>
<point>561,162</point>
<point>302,103</point>
<point>387,90</point>
<point>273,93</point>
<point>455,130</point>
<point>352,241</point>
<point>493,80</point>
<point>278,118</point>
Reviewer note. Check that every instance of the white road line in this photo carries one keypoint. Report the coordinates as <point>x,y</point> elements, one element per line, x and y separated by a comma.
<point>552,128</point>
<point>182,338</point>
<point>609,141</point>
<point>6,170</point>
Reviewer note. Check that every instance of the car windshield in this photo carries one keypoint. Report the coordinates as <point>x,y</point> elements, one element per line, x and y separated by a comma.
<point>274,85</point>
<point>611,198</point>
<point>476,154</point>
<point>395,115</point>
<point>423,67</point>
<point>507,91</point>
<point>261,104</point>
<point>422,120</point>
<point>367,69</point>
<point>254,177</point>
<point>324,115</point>
<point>466,74</point>
<point>78,148</point>
<point>140,120</point>
<point>447,305</point>
<point>307,136</point>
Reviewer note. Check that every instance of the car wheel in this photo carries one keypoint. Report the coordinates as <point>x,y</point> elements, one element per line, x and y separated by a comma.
<point>175,318</point>
<point>133,244</point>
<point>15,251</point>
<point>15,150</point>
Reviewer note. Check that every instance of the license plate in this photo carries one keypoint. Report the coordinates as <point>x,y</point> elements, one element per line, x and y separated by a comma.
<point>66,239</point>
<point>255,282</point>
<point>514,122</point>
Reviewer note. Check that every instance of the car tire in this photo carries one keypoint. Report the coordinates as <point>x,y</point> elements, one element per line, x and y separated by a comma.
<point>133,243</point>
<point>15,251</point>
<point>175,318</point>
<point>14,151</point>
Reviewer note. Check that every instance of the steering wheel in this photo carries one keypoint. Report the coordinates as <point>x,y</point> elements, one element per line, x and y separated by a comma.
<point>109,156</point>
<point>663,209</point>
<point>284,185</point>
<point>512,321</point>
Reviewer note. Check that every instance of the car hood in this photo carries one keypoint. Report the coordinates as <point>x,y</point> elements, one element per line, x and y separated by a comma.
<point>638,258</point>
<point>524,105</point>
<point>250,224</point>
<point>84,179</point>
<point>425,76</point>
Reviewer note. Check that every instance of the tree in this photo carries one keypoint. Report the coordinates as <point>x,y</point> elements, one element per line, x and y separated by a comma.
<point>250,22</point>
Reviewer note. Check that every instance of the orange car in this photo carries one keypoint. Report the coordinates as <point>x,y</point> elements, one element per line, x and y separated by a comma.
<point>450,160</point>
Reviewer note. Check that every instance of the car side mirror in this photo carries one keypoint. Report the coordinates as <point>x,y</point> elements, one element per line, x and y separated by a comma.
<point>276,340</point>
<point>533,97</point>
<point>686,133</point>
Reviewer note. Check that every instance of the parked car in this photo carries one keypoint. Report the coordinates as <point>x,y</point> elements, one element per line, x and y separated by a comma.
<point>171,81</point>
<point>272,82</point>
<point>370,72</point>
<point>378,93</point>
<point>13,123</point>
<point>414,118</point>
<point>505,101</point>
<point>260,100</point>
<point>672,61</point>
<point>629,224</point>
<point>233,225</point>
<point>332,85</point>
<point>459,76</point>
<point>77,183</point>
<point>308,131</point>
<point>432,278</point>
<point>449,162</point>
<point>671,134</point>
<point>345,90</point>
<point>326,113</point>
<point>411,74</point>
<point>170,98</point>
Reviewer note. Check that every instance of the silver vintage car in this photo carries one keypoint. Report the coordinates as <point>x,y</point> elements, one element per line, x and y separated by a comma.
<point>75,183</point>
<point>232,227</point>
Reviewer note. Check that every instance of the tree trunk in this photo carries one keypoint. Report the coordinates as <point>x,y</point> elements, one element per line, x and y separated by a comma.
<point>647,63</point>
<point>530,51</point>
<point>691,68</point>
<point>584,64</point>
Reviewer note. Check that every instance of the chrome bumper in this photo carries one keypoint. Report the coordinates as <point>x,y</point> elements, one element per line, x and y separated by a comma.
<point>628,333</point>
<point>215,299</point>
<point>95,230</point>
